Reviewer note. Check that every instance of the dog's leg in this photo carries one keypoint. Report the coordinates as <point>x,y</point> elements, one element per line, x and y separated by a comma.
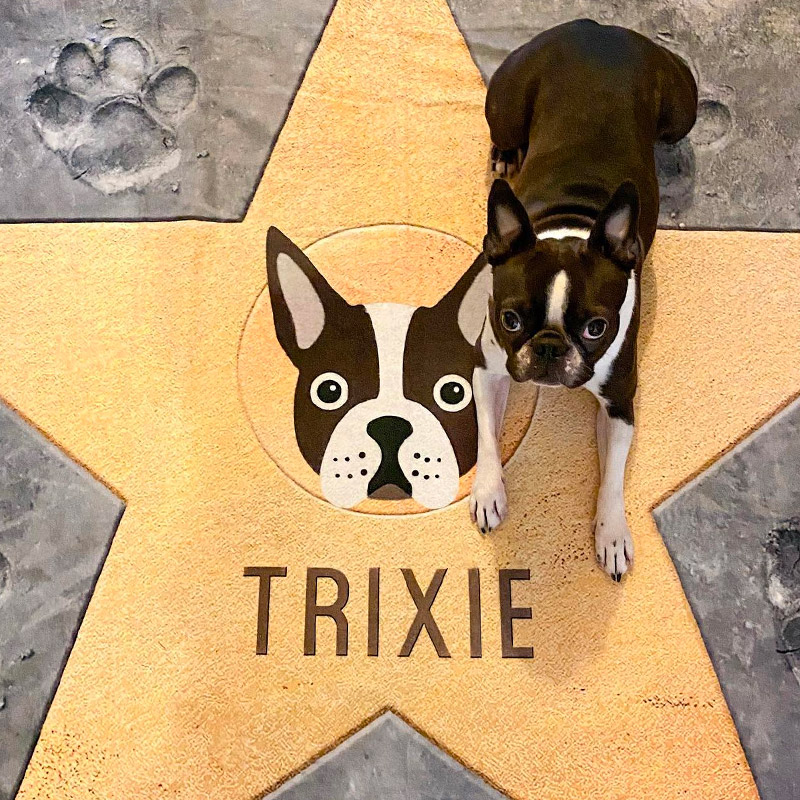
<point>612,536</point>
<point>508,108</point>
<point>488,499</point>
<point>602,439</point>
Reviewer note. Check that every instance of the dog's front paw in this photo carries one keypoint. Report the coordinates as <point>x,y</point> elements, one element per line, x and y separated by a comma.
<point>487,502</point>
<point>506,163</point>
<point>613,542</point>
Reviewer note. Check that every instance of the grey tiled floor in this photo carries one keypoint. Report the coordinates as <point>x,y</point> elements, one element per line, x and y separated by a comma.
<point>388,760</point>
<point>249,58</point>
<point>56,525</point>
<point>738,168</point>
<point>718,530</point>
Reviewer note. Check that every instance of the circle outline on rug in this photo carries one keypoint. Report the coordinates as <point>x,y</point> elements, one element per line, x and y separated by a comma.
<point>443,251</point>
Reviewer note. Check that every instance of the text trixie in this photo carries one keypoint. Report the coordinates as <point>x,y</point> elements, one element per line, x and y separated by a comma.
<point>423,601</point>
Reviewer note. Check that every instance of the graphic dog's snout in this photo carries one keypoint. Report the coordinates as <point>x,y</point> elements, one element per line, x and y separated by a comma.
<point>389,432</point>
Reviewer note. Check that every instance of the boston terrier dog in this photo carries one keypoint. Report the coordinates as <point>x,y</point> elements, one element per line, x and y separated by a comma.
<point>383,404</point>
<point>574,116</point>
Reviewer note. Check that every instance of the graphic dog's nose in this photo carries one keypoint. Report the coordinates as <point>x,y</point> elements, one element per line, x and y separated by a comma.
<point>389,433</point>
<point>549,345</point>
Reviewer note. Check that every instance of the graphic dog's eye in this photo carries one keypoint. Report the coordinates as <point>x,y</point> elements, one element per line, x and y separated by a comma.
<point>452,393</point>
<point>595,328</point>
<point>511,321</point>
<point>329,391</point>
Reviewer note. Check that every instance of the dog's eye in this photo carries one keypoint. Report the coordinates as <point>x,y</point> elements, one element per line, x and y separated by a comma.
<point>329,391</point>
<point>452,393</point>
<point>511,321</point>
<point>595,328</point>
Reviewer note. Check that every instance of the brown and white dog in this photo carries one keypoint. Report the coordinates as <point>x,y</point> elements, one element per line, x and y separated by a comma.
<point>574,116</point>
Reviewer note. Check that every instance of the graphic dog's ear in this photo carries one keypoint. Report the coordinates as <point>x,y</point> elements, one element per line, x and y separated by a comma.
<point>467,301</point>
<point>616,231</point>
<point>509,227</point>
<point>301,298</point>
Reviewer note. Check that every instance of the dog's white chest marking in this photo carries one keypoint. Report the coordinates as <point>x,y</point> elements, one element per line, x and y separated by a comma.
<point>390,433</point>
<point>602,369</point>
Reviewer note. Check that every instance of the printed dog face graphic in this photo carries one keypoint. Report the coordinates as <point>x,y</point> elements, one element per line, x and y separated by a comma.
<point>383,403</point>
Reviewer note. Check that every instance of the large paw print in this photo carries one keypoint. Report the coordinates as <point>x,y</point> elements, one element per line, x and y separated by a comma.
<point>111,115</point>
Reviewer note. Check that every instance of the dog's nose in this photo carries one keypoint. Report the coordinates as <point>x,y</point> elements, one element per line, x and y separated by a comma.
<point>389,433</point>
<point>549,345</point>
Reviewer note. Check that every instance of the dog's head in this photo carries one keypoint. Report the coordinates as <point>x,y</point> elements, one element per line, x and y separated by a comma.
<point>558,304</point>
<point>383,403</point>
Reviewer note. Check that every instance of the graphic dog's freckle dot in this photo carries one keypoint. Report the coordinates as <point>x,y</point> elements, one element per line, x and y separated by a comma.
<point>438,460</point>
<point>427,460</point>
<point>436,476</point>
<point>426,477</point>
<point>338,475</point>
<point>349,476</point>
<point>416,455</point>
<point>415,473</point>
<point>363,472</point>
<point>347,458</point>
<point>362,454</point>
<point>335,459</point>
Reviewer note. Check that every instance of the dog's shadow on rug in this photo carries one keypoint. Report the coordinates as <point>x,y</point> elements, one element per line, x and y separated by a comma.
<point>552,484</point>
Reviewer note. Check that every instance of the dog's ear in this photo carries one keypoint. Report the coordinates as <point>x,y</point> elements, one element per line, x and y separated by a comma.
<point>509,227</point>
<point>616,231</point>
<point>302,300</point>
<point>468,300</point>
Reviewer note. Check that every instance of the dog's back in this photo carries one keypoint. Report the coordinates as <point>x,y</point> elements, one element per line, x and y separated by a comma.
<point>587,101</point>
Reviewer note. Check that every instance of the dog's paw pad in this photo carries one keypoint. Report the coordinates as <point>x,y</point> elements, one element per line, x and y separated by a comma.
<point>126,63</point>
<point>76,70</point>
<point>109,116</point>
<point>126,148</point>
<point>172,90</point>
<point>56,113</point>
<point>488,505</point>
<point>506,163</point>
<point>714,122</point>
<point>613,544</point>
<point>783,582</point>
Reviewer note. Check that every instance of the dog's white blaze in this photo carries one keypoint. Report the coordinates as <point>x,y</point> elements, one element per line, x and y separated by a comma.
<point>557,296</point>
<point>564,233</point>
<point>602,368</point>
<point>390,322</point>
<point>305,307</point>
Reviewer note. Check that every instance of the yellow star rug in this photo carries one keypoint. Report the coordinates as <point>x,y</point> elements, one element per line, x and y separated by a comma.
<point>153,354</point>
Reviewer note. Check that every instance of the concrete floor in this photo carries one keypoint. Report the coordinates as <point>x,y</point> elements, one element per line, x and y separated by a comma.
<point>739,167</point>
<point>738,170</point>
<point>248,59</point>
<point>56,525</point>
<point>733,535</point>
<point>387,759</point>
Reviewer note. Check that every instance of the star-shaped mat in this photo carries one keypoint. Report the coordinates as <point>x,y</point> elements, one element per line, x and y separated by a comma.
<point>120,342</point>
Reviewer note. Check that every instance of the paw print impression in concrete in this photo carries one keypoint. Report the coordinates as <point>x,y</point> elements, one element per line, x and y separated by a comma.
<point>112,113</point>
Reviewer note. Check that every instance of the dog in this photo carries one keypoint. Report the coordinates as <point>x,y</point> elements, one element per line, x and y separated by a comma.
<point>383,404</point>
<point>574,116</point>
